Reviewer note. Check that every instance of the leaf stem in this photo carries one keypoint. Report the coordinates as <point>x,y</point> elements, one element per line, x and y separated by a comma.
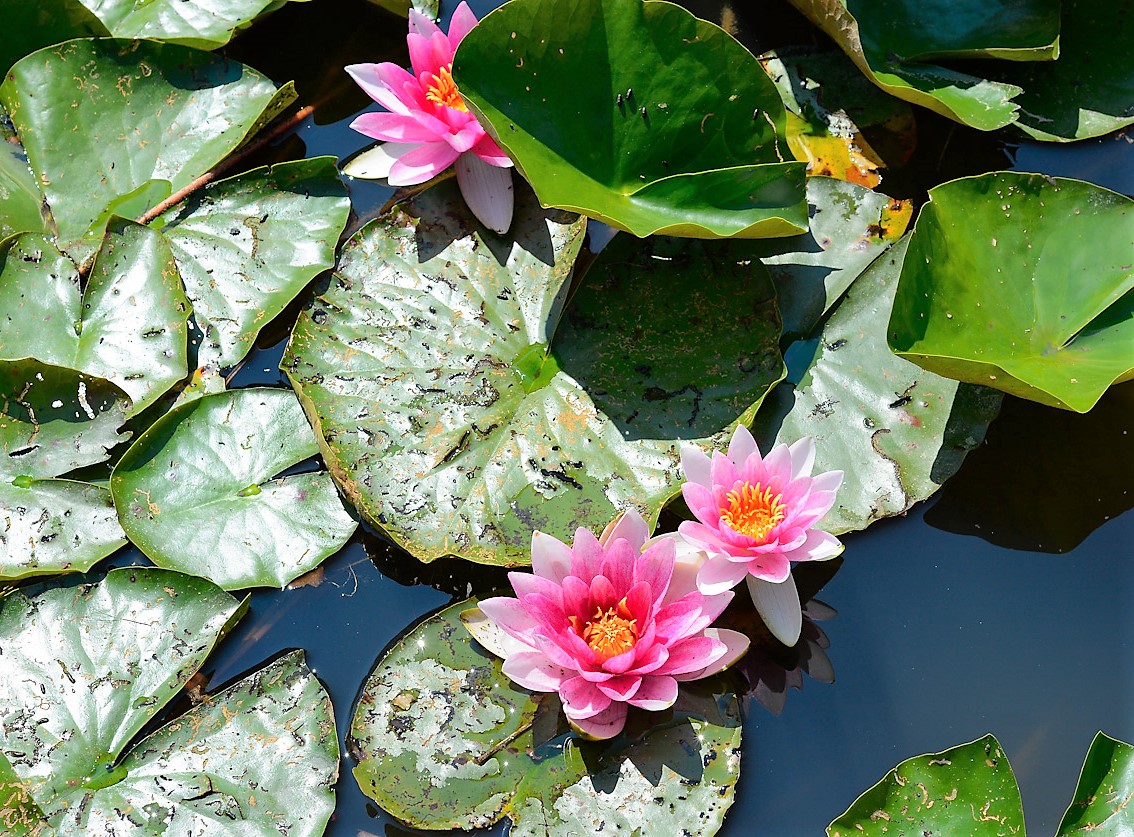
<point>482,760</point>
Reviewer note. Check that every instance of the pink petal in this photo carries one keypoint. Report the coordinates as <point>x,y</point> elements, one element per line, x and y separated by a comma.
<point>551,558</point>
<point>719,574</point>
<point>828,481</point>
<point>777,468</point>
<point>620,688</point>
<point>701,502</point>
<point>802,457</point>
<point>423,163</point>
<point>382,82</point>
<point>577,598</point>
<point>770,566</point>
<point>736,643</point>
<point>680,619</point>
<point>586,561</point>
<point>693,654</point>
<point>527,584</point>
<point>654,568</point>
<point>723,472</point>
<point>603,594</point>
<point>465,138</point>
<point>629,525</point>
<point>655,693</point>
<point>534,671</point>
<point>688,558</point>
<point>640,603</point>
<point>605,724</point>
<point>581,698</point>
<point>618,566</point>
<point>459,25</point>
<point>511,617</point>
<point>742,445</point>
<point>649,657</point>
<point>491,635</point>
<point>819,546</point>
<point>778,605</point>
<point>491,153</point>
<point>696,466</point>
<point>394,127</point>
<point>421,25</point>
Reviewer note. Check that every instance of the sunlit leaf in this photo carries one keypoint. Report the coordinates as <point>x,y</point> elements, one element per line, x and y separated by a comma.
<point>1101,805</point>
<point>206,24</point>
<point>1021,282</point>
<point>86,668</point>
<point>969,790</point>
<point>200,492</point>
<point>638,114</point>
<point>128,324</point>
<point>896,431</point>
<point>446,740</point>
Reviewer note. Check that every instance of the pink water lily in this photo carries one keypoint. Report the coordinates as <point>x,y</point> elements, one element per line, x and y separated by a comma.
<point>755,516</point>
<point>606,625</point>
<point>428,127</point>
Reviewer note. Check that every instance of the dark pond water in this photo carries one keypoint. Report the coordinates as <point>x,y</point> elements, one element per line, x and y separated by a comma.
<point>1001,605</point>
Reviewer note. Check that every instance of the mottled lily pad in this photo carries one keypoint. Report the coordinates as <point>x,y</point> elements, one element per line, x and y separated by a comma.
<point>199,492</point>
<point>638,114</point>
<point>1024,283</point>
<point>969,790</point>
<point>86,668</point>
<point>444,740</point>
<point>425,369</point>
<point>894,429</point>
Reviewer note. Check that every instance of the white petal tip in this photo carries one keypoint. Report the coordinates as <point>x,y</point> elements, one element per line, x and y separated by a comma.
<point>375,163</point>
<point>487,191</point>
<point>778,605</point>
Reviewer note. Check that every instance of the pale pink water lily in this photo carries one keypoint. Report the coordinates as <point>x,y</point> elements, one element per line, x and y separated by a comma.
<point>428,127</point>
<point>606,625</point>
<point>755,516</point>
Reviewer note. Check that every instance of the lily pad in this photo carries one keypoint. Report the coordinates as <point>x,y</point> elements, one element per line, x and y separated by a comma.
<point>969,790</point>
<point>247,246</point>
<point>196,491</point>
<point>481,435</point>
<point>1021,282</point>
<point>637,114</point>
<point>54,420</point>
<point>128,325</point>
<point>1102,796</point>
<point>86,668</point>
<point>186,110</point>
<point>896,431</point>
<point>28,27</point>
<point>54,526</point>
<point>19,196</point>
<point>206,24</point>
<point>445,740</point>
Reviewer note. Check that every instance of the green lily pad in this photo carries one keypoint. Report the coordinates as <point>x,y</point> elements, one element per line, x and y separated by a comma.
<point>969,790</point>
<point>874,35</point>
<point>482,435</point>
<point>206,24</point>
<point>54,526</point>
<point>28,27</point>
<point>1021,282</point>
<point>186,110</point>
<point>445,740</point>
<point>19,196</point>
<point>637,114</point>
<point>896,431</point>
<point>850,227</point>
<point>1101,804</point>
<point>429,8</point>
<point>86,668</point>
<point>128,325</point>
<point>54,420</point>
<point>196,491</point>
<point>247,246</point>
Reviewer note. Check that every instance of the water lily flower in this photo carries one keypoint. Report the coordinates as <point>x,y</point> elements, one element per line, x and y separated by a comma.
<point>428,127</point>
<point>755,515</point>
<point>606,625</point>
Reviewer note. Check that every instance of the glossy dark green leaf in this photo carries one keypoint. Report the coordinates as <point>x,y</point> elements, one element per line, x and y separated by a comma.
<point>206,24</point>
<point>425,369</point>
<point>446,740</point>
<point>20,198</point>
<point>54,420</point>
<point>184,110</point>
<point>872,33</point>
<point>29,26</point>
<point>247,246</point>
<point>1021,282</point>
<point>429,8</point>
<point>128,324</point>
<point>54,526</point>
<point>850,227</point>
<point>896,431</point>
<point>968,790</point>
<point>85,668</point>
<point>1089,91</point>
<point>196,492</point>
<point>1101,805</point>
<point>638,114</point>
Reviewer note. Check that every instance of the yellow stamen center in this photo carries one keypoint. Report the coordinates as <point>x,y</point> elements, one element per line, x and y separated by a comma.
<point>611,633</point>
<point>443,91</point>
<point>753,510</point>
